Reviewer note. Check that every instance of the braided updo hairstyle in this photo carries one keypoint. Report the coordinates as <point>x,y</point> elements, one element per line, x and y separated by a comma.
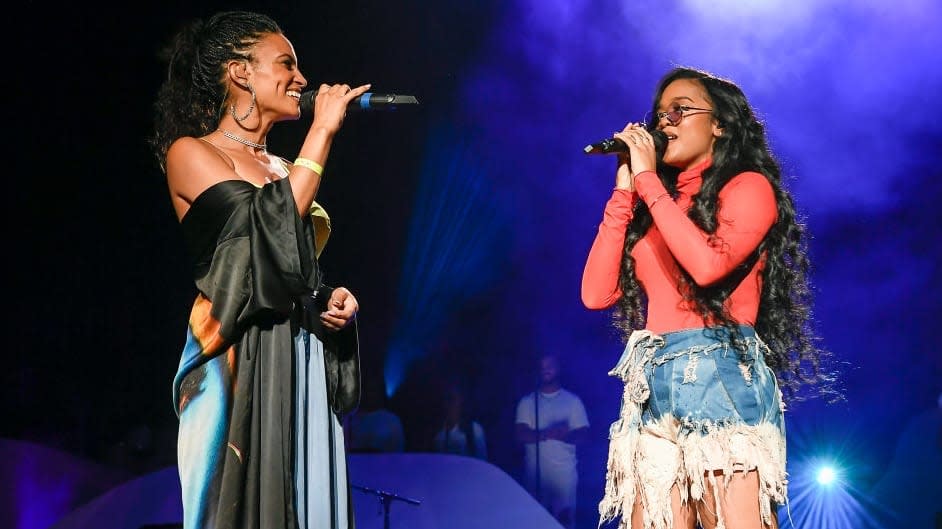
<point>191,100</point>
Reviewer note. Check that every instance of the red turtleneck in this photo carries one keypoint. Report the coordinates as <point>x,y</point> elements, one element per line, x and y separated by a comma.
<point>746,211</point>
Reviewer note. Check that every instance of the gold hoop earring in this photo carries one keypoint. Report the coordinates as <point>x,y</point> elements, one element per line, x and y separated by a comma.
<point>247,112</point>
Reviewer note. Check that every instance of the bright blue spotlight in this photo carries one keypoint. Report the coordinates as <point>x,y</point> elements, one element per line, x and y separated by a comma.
<point>826,475</point>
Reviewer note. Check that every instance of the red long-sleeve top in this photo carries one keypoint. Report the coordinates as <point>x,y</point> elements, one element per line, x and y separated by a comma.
<point>746,211</point>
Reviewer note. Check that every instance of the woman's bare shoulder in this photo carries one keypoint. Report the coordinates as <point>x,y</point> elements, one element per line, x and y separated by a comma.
<point>194,165</point>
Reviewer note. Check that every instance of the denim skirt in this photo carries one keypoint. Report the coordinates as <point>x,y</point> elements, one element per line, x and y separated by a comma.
<point>698,377</point>
<point>696,411</point>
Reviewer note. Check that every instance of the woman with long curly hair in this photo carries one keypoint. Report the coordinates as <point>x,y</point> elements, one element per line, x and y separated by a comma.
<point>271,359</point>
<point>702,256</point>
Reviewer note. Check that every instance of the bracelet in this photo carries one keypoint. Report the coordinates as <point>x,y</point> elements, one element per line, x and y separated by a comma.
<point>651,205</point>
<point>310,164</point>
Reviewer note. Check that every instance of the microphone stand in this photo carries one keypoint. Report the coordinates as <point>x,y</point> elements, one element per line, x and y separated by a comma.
<point>536,413</point>
<point>385,499</point>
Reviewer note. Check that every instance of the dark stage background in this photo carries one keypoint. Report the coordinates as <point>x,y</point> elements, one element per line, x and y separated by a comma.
<point>462,226</point>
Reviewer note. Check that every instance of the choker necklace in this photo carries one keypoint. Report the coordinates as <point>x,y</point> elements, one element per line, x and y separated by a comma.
<point>244,141</point>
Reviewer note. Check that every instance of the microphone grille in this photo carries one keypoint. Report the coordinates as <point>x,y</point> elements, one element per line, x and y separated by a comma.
<point>307,102</point>
<point>660,142</point>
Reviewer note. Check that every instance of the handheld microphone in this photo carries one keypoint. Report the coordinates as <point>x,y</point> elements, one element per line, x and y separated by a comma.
<point>366,101</point>
<point>615,145</point>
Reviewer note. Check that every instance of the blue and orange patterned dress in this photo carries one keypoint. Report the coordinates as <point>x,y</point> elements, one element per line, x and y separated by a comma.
<point>261,386</point>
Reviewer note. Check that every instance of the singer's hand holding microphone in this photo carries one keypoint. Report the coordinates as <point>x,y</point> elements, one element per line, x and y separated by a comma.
<point>329,105</point>
<point>637,148</point>
<point>640,156</point>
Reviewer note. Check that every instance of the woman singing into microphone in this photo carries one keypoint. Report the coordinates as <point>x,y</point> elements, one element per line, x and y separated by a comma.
<point>270,362</point>
<point>703,258</point>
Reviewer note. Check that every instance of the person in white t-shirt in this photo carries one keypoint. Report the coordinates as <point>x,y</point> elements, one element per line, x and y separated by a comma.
<point>459,434</point>
<point>550,427</point>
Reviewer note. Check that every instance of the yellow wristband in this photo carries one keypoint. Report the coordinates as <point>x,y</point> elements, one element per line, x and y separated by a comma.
<point>310,164</point>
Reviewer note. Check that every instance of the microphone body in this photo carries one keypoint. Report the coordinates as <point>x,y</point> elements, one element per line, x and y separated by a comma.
<point>615,145</point>
<point>367,101</point>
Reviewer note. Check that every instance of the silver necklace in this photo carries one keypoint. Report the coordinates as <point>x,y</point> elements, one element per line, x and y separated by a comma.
<point>244,141</point>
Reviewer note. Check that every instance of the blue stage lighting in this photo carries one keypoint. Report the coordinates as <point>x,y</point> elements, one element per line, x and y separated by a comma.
<point>452,251</point>
<point>826,475</point>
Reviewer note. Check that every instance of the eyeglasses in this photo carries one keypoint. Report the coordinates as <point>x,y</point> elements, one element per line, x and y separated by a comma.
<point>677,112</point>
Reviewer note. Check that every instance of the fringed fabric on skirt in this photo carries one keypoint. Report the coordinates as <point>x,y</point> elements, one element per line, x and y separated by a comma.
<point>712,408</point>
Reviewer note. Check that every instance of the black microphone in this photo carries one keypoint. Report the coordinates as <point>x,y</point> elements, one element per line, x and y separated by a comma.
<point>615,145</point>
<point>366,101</point>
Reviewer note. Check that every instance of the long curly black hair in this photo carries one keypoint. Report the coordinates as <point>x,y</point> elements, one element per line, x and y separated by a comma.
<point>191,100</point>
<point>784,308</point>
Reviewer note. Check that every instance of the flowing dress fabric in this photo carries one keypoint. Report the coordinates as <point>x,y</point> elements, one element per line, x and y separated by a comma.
<point>321,482</point>
<point>260,384</point>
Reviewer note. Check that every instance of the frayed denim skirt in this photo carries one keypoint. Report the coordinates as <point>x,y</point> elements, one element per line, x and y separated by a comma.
<point>695,406</point>
<point>703,381</point>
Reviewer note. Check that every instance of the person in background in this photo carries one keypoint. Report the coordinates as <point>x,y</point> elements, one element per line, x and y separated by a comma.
<point>459,434</point>
<point>375,429</point>
<point>550,423</point>
<point>271,360</point>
